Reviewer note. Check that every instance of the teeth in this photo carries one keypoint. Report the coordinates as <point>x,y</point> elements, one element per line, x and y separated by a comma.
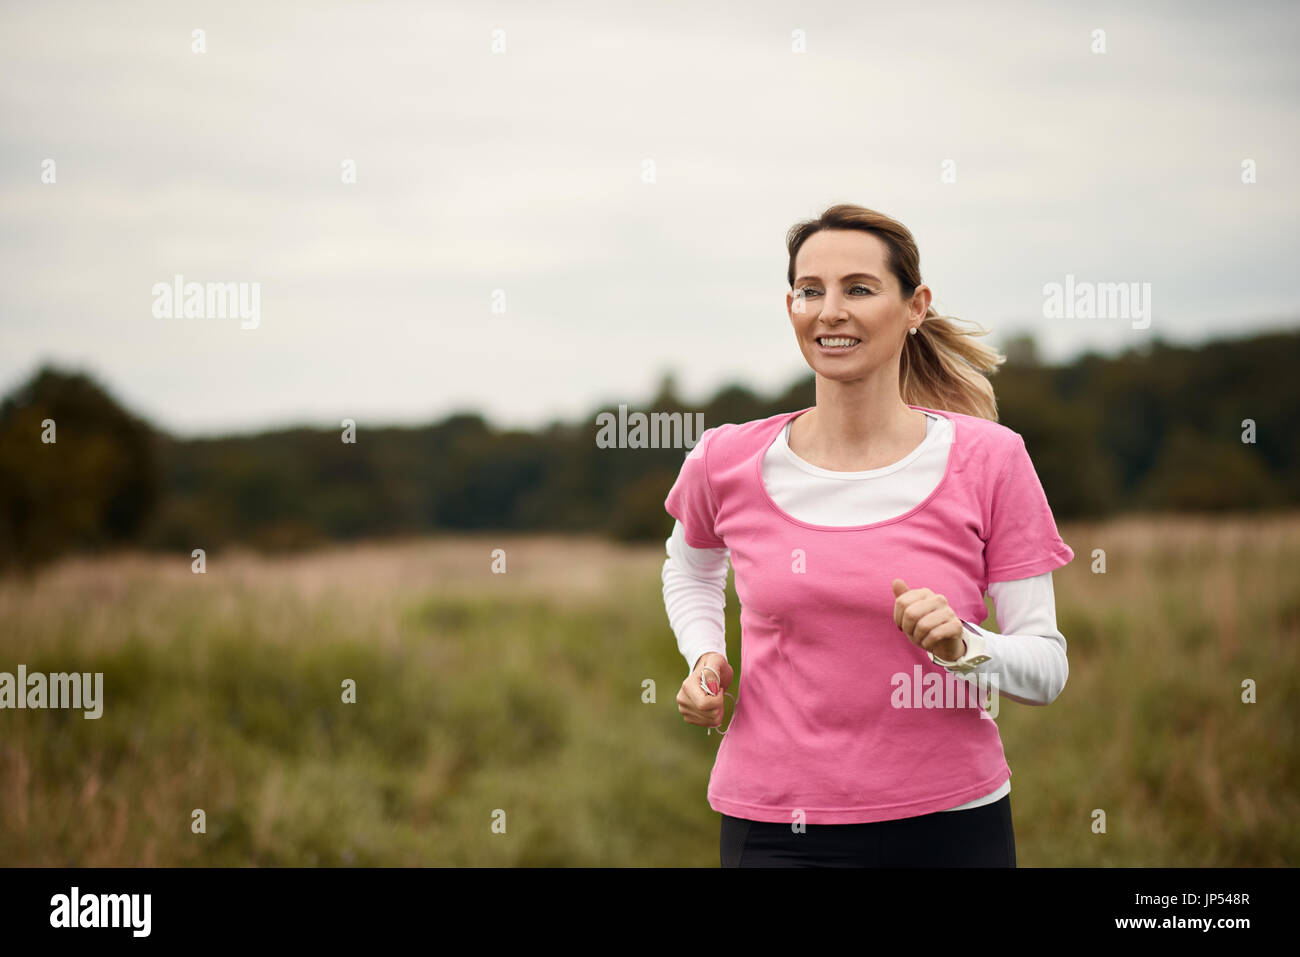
<point>837,342</point>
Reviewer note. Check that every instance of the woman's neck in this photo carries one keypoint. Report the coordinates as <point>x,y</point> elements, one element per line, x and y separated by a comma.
<point>846,437</point>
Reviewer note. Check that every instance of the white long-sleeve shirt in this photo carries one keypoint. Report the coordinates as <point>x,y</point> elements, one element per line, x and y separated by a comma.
<point>1028,656</point>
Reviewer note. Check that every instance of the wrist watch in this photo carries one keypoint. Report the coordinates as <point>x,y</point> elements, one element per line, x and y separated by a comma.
<point>974,656</point>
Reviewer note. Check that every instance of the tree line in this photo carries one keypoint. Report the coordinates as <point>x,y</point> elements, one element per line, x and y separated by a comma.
<point>1163,428</point>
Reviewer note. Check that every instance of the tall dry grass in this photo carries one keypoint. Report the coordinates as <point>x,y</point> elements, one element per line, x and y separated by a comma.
<point>523,692</point>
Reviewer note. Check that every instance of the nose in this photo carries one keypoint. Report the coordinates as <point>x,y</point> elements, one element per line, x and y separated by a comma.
<point>833,307</point>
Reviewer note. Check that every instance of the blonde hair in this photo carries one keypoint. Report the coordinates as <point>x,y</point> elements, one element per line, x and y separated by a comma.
<point>942,366</point>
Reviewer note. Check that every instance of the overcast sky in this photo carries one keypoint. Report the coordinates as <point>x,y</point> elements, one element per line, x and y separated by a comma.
<point>524,171</point>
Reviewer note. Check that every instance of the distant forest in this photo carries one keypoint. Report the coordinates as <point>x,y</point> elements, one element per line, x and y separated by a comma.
<point>1155,429</point>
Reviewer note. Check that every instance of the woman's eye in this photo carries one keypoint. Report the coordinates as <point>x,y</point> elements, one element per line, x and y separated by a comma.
<point>864,289</point>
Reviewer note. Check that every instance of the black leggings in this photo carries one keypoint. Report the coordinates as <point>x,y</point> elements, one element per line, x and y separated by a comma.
<point>976,837</point>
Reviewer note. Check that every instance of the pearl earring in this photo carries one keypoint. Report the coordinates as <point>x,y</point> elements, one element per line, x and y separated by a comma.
<point>912,330</point>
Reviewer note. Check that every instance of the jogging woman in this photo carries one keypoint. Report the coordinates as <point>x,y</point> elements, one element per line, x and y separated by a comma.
<point>864,532</point>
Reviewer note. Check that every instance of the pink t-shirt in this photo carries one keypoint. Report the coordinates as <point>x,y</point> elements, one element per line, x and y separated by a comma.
<point>838,714</point>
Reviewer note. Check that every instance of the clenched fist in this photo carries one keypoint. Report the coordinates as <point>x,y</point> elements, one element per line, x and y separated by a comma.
<point>927,620</point>
<point>697,705</point>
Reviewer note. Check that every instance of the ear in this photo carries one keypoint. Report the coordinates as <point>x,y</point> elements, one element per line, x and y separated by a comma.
<point>920,304</point>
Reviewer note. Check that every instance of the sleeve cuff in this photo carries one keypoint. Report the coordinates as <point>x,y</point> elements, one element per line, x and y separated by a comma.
<point>700,638</point>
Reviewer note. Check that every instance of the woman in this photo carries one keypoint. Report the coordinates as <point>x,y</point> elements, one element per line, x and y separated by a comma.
<point>864,532</point>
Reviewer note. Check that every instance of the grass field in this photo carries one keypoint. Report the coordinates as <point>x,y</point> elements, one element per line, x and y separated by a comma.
<point>523,692</point>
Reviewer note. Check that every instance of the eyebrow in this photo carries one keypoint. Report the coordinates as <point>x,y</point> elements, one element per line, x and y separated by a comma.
<point>852,275</point>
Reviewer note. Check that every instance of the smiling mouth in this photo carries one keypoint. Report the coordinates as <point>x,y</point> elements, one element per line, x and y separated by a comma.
<point>836,343</point>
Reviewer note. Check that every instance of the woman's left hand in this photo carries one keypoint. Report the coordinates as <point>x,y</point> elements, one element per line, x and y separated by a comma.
<point>928,621</point>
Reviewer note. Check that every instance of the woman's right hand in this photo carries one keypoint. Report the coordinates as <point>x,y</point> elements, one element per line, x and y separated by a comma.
<point>697,705</point>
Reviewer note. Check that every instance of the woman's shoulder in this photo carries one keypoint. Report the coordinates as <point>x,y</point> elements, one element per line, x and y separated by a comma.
<point>733,434</point>
<point>731,443</point>
<point>985,428</point>
<point>982,443</point>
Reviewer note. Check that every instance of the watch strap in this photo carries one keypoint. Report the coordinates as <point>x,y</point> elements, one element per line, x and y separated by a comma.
<point>975,652</point>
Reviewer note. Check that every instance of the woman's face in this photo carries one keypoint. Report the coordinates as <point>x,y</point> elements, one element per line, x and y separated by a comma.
<point>843,290</point>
